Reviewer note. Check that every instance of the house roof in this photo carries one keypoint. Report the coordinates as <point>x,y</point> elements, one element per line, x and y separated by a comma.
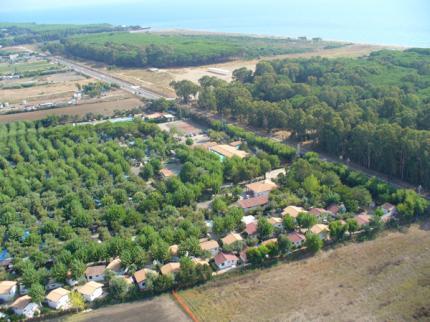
<point>251,228</point>
<point>209,244</point>
<point>222,257</point>
<point>228,151</point>
<point>140,276</point>
<point>173,249</point>
<point>274,174</point>
<point>170,268</point>
<point>317,211</point>
<point>115,265</point>
<point>154,116</point>
<point>269,241</point>
<point>253,202</point>
<point>57,294</point>
<point>5,286</point>
<point>274,221</point>
<point>89,288</point>
<point>95,270</point>
<point>21,302</point>
<point>387,206</point>
<point>248,219</point>
<point>166,173</point>
<point>296,237</point>
<point>363,219</point>
<point>319,228</point>
<point>293,211</point>
<point>333,209</point>
<point>261,186</point>
<point>200,261</point>
<point>231,238</point>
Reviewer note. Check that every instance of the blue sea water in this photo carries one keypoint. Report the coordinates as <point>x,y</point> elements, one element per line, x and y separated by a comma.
<point>394,22</point>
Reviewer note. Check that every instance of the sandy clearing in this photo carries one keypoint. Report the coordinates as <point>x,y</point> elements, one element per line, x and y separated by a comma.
<point>104,108</point>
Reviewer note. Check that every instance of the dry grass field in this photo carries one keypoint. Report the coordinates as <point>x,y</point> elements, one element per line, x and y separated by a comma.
<point>104,107</point>
<point>387,279</point>
<point>159,81</point>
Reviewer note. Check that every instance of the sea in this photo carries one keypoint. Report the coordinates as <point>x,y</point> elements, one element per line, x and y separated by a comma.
<point>387,22</point>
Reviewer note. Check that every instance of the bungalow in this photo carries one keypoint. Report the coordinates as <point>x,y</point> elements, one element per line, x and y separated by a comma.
<point>231,238</point>
<point>336,209</point>
<point>269,241</point>
<point>363,219</point>
<point>236,144</point>
<point>7,290</point>
<point>276,222</point>
<point>166,173</point>
<point>292,211</point>
<point>170,268</point>
<point>253,203</point>
<point>318,212</point>
<point>261,188</point>
<point>248,219</point>
<point>388,208</point>
<point>210,246</point>
<point>296,238</point>
<point>321,230</point>
<point>173,250</point>
<point>91,291</point>
<point>24,306</point>
<point>200,261</point>
<point>251,229</point>
<point>224,261</point>
<point>116,267</point>
<point>95,273</point>
<point>140,279</point>
<point>58,299</point>
<point>274,174</point>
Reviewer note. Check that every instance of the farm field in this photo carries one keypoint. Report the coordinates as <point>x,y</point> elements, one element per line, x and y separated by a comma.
<point>31,66</point>
<point>106,108</point>
<point>162,308</point>
<point>387,279</point>
<point>160,80</point>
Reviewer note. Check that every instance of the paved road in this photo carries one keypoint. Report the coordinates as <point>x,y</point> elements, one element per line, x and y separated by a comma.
<point>105,77</point>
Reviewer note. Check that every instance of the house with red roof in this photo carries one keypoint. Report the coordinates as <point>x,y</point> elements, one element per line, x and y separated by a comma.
<point>251,229</point>
<point>253,203</point>
<point>296,238</point>
<point>226,260</point>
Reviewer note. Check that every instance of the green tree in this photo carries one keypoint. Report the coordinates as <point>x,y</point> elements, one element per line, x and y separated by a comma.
<point>313,242</point>
<point>185,89</point>
<point>37,293</point>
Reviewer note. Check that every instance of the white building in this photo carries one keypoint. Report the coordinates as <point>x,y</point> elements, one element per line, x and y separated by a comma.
<point>224,261</point>
<point>7,290</point>
<point>24,306</point>
<point>91,291</point>
<point>58,299</point>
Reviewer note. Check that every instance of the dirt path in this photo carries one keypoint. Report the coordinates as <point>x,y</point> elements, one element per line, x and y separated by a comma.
<point>387,279</point>
<point>159,309</point>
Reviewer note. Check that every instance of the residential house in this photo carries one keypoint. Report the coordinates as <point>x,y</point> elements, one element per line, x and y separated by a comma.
<point>389,211</point>
<point>297,239</point>
<point>173,250</point>
<point>274,174</point>
<point>251,229</point>
<point>200,261</point>
<point>243,257</point>
<point>293,211</point>
<point>336,209</point>
<point>248,219</point>
<point>261,188</point>
<point>7,290</point>
<point>276,222</point>
<point>318,212</point>
<point>363,219</point>
<point>53,284</point>
<point>116,267</point>
<point>140,278</point>
<point>231,238</point>
<point>91,291</point>
<point>253,203</point>
<point>236,144</point>
<point>224,261</point>
<point>170,268</point>
<point>25,307</point>
<point>321,230</point>
<point>166,173</point>
<point>210,246</point>
<point>95,273</point>
<point>58,299</point>
<point>269,241</point>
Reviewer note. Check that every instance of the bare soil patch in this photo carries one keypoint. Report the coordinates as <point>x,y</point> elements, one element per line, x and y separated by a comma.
<point>162,308</point>
<point>105,108</point>
<point>387,279</point>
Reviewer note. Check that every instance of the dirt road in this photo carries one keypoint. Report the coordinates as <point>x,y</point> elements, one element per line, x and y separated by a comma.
<point>159,309</point>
